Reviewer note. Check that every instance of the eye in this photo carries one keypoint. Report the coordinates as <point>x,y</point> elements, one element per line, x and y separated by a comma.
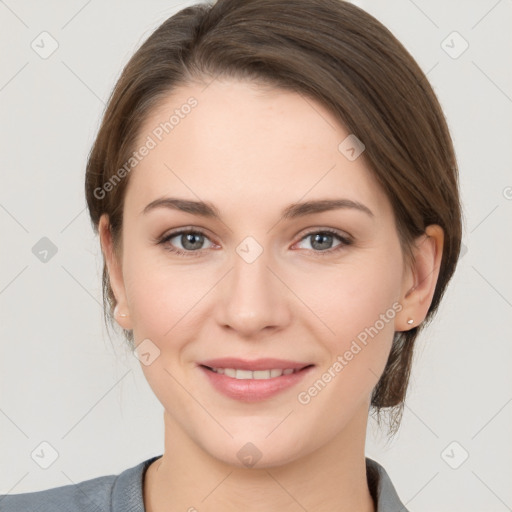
<point>321,241</point>
<point>190,242</point>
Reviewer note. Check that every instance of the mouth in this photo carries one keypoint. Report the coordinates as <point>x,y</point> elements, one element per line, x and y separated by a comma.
<point>254,381</point>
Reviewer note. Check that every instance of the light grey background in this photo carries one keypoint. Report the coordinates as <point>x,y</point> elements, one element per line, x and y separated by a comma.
<point>61,379</point>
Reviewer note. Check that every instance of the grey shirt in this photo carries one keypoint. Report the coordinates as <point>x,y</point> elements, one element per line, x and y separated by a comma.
<point>123,493</point>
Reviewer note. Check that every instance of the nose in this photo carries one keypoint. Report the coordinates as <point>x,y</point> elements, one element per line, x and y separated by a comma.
<point>253,297</point>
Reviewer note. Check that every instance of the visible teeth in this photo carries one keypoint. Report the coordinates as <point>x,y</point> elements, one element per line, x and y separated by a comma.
<point>262,374</point>
<point>230,372</point>
<point>257,374</point>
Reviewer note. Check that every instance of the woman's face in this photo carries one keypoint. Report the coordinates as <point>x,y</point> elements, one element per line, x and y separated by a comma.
<point>317,288</point>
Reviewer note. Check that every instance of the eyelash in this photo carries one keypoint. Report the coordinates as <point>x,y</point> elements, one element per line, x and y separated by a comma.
<point>345,242</point>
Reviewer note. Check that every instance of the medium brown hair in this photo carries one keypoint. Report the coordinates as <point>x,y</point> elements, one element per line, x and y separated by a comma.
<point>327,50</point>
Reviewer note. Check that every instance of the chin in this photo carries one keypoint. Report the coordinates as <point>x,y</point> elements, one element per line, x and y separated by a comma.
<point>257,449</point>
<point>259,455</point>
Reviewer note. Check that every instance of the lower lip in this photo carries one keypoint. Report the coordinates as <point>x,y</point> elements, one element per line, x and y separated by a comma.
<point>253,390</point>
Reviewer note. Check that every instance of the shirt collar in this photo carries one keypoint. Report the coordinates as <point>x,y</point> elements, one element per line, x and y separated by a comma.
<point>127,491</point>
<point>381,488</point>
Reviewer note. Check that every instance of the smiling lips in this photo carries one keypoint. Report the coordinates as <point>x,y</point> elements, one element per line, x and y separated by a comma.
<point>256,380</point>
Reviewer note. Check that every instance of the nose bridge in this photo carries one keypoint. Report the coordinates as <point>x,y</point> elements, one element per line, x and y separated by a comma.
<point>254,298</point>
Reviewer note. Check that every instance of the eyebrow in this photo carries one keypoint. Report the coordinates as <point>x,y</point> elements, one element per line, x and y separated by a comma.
<point>295,210</point>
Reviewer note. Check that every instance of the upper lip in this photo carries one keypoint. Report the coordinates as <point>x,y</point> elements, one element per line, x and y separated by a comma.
<point>256,364</point>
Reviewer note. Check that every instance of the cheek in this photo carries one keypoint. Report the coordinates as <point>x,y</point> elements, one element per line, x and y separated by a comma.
<point>352,296</point>
<point>357,305</point>
<point>164,297</point>
<point>360,312</point>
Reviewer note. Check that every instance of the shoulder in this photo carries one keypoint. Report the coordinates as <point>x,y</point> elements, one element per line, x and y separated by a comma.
<point>104,493</point>
<point>90,495</point>
<point>382,489</point>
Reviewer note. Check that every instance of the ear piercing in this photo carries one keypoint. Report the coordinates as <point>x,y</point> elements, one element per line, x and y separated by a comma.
<point>116,312</point>
<point>410,321</point>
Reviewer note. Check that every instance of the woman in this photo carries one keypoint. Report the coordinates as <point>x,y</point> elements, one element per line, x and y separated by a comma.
<point>276,196</point>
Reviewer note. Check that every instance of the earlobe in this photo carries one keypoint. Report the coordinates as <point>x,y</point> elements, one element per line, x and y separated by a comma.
<point>121,313</point>
<point>420,279</point>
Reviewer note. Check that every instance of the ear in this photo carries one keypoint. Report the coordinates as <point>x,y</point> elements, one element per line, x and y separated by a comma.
<point>420,279</point>
<point>122,314</point>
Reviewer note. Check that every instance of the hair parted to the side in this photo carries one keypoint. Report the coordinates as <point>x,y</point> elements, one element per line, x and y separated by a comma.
<point>327,50</point>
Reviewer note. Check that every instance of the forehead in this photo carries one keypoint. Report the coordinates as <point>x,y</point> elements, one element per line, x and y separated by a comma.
<point>236,140</point>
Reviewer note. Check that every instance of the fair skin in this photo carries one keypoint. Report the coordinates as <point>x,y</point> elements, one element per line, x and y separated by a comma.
<point>251,153</point>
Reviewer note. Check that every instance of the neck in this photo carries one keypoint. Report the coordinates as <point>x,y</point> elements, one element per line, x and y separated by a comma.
<point>333,477</point>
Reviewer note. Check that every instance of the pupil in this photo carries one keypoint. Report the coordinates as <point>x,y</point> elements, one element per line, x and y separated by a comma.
<point>189,240</point>
<point>319,237</point>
